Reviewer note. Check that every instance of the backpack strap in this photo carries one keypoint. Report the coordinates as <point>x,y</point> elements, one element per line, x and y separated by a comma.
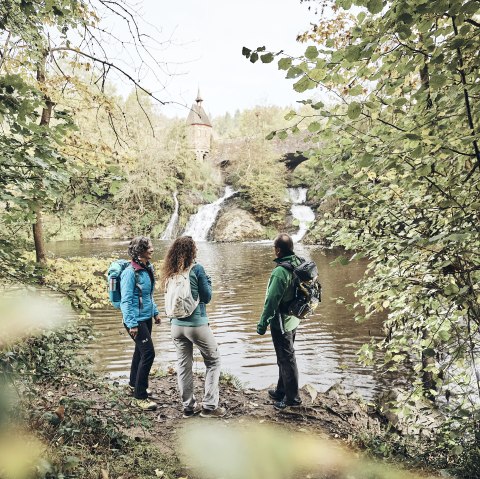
<point>138,286</point>
<point>288,266</point>
<point>140,292</point>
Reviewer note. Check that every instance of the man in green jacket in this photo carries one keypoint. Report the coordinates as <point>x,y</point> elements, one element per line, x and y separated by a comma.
<point>280,292</point>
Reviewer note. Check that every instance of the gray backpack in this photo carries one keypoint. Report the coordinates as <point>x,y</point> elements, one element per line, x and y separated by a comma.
<point>179,302</point>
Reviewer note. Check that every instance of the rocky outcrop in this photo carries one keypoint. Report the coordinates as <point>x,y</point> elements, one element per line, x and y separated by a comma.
<point>235,224</point>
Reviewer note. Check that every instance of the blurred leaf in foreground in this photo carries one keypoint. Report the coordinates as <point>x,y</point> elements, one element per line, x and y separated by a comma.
<point>267,452</point>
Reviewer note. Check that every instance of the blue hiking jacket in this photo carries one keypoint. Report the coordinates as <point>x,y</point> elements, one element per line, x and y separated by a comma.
<point>130,305</point>
<point>201,286</point>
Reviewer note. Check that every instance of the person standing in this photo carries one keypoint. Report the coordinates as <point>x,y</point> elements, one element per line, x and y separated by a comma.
<point>193,329</point>
<point>280,291</point>
<point>138,307</point>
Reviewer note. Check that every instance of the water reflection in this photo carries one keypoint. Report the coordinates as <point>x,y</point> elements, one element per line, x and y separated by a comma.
<point>326,344</point>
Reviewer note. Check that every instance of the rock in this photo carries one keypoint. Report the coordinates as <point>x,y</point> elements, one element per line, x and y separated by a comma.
<point>235,224</point>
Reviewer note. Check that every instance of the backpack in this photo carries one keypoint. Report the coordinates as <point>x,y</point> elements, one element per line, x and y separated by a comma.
<point>308,290</point>
<point>114,273</point>
<point>179,302</point>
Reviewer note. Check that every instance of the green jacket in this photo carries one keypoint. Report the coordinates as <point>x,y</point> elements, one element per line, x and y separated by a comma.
<point>279,292</point>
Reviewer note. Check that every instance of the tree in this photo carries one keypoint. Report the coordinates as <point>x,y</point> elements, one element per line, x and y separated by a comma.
<point>399,125</point>
<point>45,44</point>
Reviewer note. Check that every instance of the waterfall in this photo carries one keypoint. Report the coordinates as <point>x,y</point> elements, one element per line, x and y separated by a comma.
<point>199,224</point>
<point>169,230</point>
<point>302,213</point>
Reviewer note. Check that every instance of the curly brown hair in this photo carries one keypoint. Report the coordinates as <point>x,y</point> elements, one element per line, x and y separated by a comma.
<point>180,256</point>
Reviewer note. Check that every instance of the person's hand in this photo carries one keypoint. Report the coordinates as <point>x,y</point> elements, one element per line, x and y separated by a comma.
<point>157,319</point>
<point>133,332</point>
<point>261,329</point>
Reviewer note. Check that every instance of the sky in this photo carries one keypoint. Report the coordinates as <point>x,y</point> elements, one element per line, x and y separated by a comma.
<point>202,43</point>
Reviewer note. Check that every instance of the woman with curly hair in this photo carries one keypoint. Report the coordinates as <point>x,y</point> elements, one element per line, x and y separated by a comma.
<point>193,329</point>
<point>138,307</point>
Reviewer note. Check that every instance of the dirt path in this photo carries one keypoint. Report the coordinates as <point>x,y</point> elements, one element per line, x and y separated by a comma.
<point>333,414</point>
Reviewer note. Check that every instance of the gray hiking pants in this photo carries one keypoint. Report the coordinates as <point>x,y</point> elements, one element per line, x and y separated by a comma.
<point>184,337</point>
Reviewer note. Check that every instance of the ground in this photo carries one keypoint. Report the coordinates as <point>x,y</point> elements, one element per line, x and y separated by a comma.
<point>332,415</point>
<point>336,416</point>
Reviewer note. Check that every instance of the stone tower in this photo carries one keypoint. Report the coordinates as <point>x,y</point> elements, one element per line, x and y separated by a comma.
<point>199,129</point>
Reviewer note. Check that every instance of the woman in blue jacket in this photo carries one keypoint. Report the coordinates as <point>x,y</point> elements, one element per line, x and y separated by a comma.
<point>138,307</point>
<point>193,330</point>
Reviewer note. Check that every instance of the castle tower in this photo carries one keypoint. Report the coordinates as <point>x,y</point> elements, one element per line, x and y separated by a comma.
<point>199,129</point>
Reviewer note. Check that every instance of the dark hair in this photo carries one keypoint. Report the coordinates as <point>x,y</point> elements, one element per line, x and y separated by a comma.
<point>180,256</point>
<point>284,243</point>
<point>138,246</point>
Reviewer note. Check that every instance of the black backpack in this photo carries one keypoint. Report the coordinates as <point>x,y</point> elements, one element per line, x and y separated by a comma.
<point>308,290</point>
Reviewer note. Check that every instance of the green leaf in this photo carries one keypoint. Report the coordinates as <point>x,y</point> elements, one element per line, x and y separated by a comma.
<point>284,63</point>
<point>311,52</point>
<point>303,84</point>
<point>353,53</point>
<point>314,126</point>
<point>317,74</point>
<point>271,135</point>
<point>375,6</point>
<point>318,105</point>
<point>294,72</point>
<point>267,58</point>
<point>354,110</point>
<point>437,81</point>
<point>290,115</point>
<point>429,352</point>
<point>246,52</point>
<point>356,90</point>
<point>366,160</point>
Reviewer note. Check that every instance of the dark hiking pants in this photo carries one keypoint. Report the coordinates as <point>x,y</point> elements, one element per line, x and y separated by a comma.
<point>287,386</point>
<point>142,360</point>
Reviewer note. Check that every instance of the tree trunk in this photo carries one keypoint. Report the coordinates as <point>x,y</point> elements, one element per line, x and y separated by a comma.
<point>428,379</point>
<point>38,238</point>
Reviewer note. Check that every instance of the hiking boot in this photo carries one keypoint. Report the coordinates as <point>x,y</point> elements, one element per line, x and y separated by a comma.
<point>187,412</point>
<point>218,412</point>
<point>275,395</point>
<point>144,404</point>
<point>132,390</point>
<point>281,405</point>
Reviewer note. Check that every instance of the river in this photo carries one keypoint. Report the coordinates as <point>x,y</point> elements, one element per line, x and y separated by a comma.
<point>326,344</point>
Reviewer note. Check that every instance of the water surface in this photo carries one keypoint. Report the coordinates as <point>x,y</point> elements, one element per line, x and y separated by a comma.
<point>326,344</point>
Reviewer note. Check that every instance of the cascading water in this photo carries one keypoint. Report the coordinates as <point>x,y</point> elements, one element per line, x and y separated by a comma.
<point>169,230</point>
<point>302,213</point>
<point>199,224</point>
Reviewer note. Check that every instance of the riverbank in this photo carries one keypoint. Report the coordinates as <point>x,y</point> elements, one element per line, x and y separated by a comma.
<point>90,427</point>
<point>113,439</point>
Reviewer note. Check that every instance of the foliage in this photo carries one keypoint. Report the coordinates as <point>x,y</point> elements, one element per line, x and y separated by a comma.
<point>82,279</point>
<point>252,164</point>
<point>68,420</point>
<point>50,73</point>
<point>261,181</point>
<point>399,127</point>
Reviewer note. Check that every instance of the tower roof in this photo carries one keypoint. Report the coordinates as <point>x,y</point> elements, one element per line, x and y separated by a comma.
<point>197,115</point>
